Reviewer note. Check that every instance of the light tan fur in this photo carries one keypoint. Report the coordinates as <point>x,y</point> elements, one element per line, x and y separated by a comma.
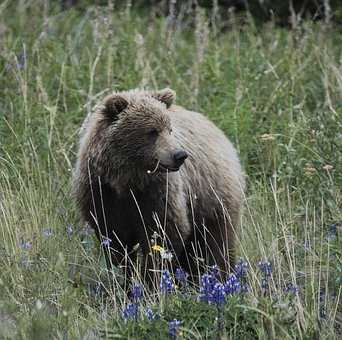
<point>118,159</point>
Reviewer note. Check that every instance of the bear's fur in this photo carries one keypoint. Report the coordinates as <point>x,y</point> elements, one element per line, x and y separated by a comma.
<point>125,193</point>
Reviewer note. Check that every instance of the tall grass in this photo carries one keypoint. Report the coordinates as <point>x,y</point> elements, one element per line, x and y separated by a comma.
<point>276,93</point>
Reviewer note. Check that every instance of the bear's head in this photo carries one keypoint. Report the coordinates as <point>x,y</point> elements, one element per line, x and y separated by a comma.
<point>137,133</point>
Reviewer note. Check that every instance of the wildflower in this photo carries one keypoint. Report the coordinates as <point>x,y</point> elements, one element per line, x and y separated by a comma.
<point>207,285</point>
<point>232,285</point>
<point>137,292</point>
<point>264,284</point>
<point>131,312</point>
<point>291,289</point>
<point>25,245</point>
<point>150,315</point>
<point>174,328</point>
<point>22,61</point>
<point>241,269</point>
<point>214,271</point>
<point>266,268</point>
<point>218,294</point>
<point>181,276</point>
<point>166,284</point>
<point>332,232</point>
<point>47,233</point>
<point>106,242</point>
<point>307,245</point>
<point>166,255</point>
<point>158,248</point>
<point>69,230</point>
<point>97,288</point>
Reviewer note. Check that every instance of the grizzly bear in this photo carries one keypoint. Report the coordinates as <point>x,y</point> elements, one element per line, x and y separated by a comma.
<point>146,166</point>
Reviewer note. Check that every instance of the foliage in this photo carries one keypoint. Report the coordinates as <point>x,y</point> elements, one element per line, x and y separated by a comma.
<point>276,93</point>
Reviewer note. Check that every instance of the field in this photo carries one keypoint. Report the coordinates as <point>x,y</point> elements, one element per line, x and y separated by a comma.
<point>277,93</point>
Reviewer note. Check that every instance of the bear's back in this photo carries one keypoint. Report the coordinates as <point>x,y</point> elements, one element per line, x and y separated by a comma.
<point>212,170</point>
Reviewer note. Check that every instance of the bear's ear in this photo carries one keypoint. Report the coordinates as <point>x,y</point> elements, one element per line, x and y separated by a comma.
<point>166,96</point>
<point>114,105</point>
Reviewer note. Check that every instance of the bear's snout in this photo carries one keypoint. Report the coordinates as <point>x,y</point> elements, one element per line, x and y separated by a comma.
<point>179,157</point>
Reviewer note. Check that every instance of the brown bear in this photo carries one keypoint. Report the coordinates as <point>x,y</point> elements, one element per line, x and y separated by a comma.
<point>145,165</point>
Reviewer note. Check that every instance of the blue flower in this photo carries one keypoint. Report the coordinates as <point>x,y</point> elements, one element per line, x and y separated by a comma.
<point>218,294</point>
<point>265,268</point>
<point>232,285</point>
<point>214,271</point>
<point>149,314</point>
<point>131,312</point>
<point>181,276</point>
<point>69,230</point>
<point>137,292</point>
<point>106,242</point>
<point>174,328</point>
<point>241,269</point>
<point>47,233</point>
<point>291,289</point>
<point>166,284</point>
<point>207,285</point>
<point>25,245</point>
<point>264,283</point>
<point>332,232</point>
<point>22,59</point>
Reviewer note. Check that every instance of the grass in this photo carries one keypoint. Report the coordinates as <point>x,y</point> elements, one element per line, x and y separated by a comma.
<point>276,93</point>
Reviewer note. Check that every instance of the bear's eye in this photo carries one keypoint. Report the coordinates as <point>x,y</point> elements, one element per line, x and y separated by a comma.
<point>153,133</point>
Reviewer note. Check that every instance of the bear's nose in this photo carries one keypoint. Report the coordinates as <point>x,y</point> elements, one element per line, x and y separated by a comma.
<point>180,156</point>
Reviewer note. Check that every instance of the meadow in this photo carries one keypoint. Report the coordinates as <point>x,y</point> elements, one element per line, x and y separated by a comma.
<point>277,93</point>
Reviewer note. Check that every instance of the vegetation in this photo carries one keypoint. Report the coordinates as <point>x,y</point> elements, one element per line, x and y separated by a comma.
<point>276,93</point>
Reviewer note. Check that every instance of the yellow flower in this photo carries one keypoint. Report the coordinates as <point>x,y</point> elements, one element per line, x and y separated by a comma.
<point>158,248</point>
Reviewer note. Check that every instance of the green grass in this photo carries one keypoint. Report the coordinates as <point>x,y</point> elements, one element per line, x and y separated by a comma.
<point>278,96</point>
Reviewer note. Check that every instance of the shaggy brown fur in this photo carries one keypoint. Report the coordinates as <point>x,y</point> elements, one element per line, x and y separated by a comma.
<point>125,192</point>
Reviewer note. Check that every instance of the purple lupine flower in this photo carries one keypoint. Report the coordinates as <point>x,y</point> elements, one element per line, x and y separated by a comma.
<point>181,276</point>
<point>166,283</point>
<point>25,245</point>
<point>214,271</point>
<point>232,286</point>
<point>265,268</point>
<point>241,269</point>
<point>69,230</point>
<point>218,294</point>
<point>207,285</point>
<point>47,233</point>
<point>332,232</point>
<point>137,292</point>
<point>106,242</point>
<point>291,289</point>
<point>22,59</point>
<point>174,328</point>
<point>97,288</point>
<point>149,314</point>
<point>264,284</point>
<point>307,245</point>
<point>131,312</point>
